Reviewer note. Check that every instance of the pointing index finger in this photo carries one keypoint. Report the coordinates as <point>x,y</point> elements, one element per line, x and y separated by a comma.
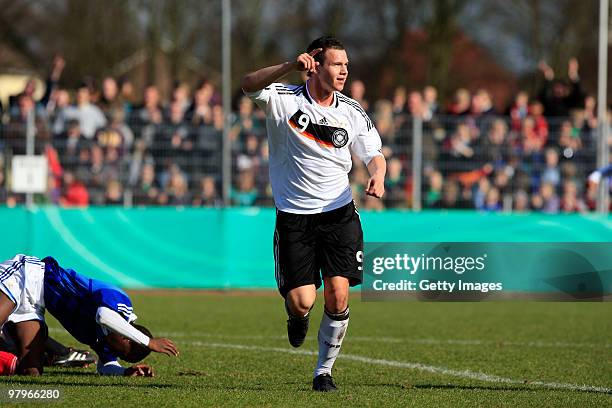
<point>315,51</point>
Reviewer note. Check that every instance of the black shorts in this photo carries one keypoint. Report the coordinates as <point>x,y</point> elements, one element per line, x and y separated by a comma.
<point>307,246</point>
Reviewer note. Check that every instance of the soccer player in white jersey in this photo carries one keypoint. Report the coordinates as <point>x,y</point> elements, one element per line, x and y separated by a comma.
<point>312,130</point>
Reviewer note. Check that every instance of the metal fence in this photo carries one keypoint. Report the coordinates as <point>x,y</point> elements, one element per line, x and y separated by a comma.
<point>487,163</point>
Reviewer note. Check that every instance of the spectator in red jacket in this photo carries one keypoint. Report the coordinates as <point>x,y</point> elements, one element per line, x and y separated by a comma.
<point>74,193</point>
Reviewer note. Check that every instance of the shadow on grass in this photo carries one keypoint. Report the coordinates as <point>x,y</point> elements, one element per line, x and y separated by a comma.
<point>514,388</point>
<point>300,387</point>
<point>305,388</point>
<point>53,378</point>
<point>527,387</point>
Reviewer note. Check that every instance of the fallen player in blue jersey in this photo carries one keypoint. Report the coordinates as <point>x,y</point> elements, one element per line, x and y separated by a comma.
<point>93,312</point>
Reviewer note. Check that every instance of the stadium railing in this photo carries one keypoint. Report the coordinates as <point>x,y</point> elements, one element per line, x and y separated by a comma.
<point>457,159</point>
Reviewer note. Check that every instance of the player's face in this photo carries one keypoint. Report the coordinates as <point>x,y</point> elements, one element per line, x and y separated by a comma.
<point>118,344</point>
<point>334,71</point>
<point>124,348</point>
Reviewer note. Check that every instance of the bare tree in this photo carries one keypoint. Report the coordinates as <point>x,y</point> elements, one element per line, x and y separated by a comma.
<point>20,22</point>
<point>523,32</point>
<point>441,27</point>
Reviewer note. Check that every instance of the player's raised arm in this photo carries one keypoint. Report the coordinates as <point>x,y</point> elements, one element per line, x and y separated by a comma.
<point>257,80</point>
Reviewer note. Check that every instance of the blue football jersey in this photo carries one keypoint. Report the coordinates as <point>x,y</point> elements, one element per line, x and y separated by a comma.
<point>74,299</point>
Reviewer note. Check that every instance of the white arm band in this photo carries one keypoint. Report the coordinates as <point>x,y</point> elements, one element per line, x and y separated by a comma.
<point>114,322</point>
<point>111,368</point>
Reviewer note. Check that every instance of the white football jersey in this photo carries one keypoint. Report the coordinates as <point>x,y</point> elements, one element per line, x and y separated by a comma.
<point>310,147</point>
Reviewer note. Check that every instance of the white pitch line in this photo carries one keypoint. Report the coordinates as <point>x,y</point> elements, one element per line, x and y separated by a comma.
<point>395,340</point>
<point>474,375</point>
<point>502,343</point>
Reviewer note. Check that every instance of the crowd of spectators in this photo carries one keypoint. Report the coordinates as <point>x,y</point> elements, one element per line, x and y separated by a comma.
<point>534,156</point>
<point>107,146</point>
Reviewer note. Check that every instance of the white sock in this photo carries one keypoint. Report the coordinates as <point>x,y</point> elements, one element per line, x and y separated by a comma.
<point>331,333</point>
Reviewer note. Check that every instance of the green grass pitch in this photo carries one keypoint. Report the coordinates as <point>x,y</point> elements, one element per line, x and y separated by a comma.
<point>234,352</point>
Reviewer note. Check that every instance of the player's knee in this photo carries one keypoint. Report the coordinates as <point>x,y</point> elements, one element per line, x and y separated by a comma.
<point>29,365</point>
<point>299,306</point>
<point>299,301</point>
<point>30,371</point>
<point>336,301</point>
